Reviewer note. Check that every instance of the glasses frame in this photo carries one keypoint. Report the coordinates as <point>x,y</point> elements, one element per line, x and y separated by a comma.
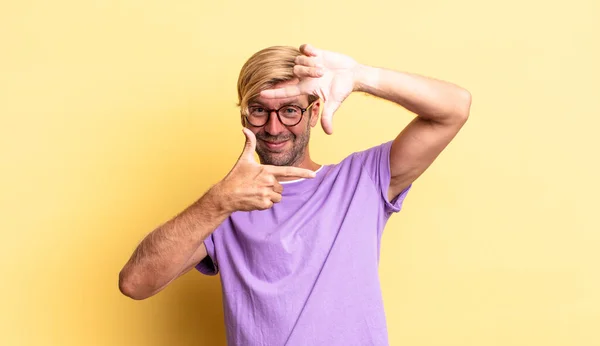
<point>302,111</point>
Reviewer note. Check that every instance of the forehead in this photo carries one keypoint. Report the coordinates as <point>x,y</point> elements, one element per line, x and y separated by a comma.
<point>300,100</point>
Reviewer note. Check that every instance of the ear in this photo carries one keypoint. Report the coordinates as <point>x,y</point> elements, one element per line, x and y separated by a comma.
<point>314,113</point>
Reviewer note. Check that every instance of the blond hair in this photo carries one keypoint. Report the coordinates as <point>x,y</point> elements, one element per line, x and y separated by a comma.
<point>263,70</point>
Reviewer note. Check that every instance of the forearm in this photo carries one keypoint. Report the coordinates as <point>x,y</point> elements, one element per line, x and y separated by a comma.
<point>430,99</point>
<point>163,253</point>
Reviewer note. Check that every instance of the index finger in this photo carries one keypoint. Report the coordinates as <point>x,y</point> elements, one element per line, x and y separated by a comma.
<point>290,172</point>
<point>280,93</point>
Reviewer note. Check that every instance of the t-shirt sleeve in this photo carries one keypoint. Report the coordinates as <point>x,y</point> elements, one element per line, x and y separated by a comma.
<point>376,162</point>
<point>208,265</point>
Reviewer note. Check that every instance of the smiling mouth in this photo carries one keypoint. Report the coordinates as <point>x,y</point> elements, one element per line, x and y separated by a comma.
<point>274,145</point>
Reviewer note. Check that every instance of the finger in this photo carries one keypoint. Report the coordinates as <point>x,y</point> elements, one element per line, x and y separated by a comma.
<point>288,91</point>
<point>277,187</point>
<point>304,71</point>
<point>267,178</point>
<point>307,61</point>
<point>327,117</point>
<point>275,197</point>
<point>249,146</point>
<point>308,49</point>
<point>290,172</point>
<point>267,203</point>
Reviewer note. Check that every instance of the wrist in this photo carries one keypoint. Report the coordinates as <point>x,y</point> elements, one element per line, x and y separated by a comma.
<point>218,200</point>
<point>366,78</point>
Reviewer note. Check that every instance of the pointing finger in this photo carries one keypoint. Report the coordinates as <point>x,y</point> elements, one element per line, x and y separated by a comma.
<point>290,172</point>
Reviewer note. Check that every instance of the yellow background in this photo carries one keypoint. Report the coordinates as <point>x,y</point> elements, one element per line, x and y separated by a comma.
<point>115,115</point>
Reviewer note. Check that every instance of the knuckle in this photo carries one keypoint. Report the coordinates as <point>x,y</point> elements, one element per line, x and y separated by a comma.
<point>237,191</point>
<point>266,203</point>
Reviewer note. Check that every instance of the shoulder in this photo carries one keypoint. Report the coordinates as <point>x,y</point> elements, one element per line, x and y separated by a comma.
<point>370,156</point>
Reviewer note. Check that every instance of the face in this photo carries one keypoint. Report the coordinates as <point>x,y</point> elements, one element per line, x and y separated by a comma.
<point>280,145</point>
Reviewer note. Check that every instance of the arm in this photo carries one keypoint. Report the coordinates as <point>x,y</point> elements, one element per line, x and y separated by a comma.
<point>442,109</point>
<point>172,249</point>
<point>177,246</point>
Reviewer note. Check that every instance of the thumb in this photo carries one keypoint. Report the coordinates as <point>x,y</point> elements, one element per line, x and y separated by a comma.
<point>249,146</point>
<point>327,117</point>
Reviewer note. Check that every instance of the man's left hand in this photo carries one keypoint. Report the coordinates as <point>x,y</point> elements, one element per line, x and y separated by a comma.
<point>328,75</point>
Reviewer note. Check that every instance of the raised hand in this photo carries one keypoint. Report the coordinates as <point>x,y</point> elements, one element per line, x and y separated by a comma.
<point>252,186</point>
<point>328,75</point>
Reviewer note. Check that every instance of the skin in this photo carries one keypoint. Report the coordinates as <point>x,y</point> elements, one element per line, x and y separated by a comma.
<point>175,247</point>
<point>441,110</point>
<point>295,151</point>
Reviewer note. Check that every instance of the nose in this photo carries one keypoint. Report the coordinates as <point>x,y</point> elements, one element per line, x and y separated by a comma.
<point>273,125</point>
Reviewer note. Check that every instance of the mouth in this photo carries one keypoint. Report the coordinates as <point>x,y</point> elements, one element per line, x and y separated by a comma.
<point>275,145</point>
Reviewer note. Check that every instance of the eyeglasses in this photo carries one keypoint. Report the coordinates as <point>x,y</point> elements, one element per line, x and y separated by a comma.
<point>288,115</point>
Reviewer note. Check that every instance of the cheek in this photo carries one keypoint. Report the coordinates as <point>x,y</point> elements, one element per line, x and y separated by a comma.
<point>256,132</point>
<point>301,132</point>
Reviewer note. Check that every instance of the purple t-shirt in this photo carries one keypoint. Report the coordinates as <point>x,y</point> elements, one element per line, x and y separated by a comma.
<point>305,272</point>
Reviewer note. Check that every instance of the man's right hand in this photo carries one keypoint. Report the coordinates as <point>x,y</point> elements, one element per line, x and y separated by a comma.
<point>252,186</point>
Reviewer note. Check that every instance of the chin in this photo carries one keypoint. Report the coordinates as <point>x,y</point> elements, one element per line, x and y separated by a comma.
<point>275,159</point>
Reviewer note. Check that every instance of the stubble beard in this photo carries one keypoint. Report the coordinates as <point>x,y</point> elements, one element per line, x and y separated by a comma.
<point>291,157</point>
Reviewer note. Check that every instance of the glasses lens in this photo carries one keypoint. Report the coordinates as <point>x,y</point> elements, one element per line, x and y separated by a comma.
<point>257,116</point>
<point>290,115</point>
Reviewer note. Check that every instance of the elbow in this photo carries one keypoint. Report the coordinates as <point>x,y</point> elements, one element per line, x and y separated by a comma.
<point>131,287</point>
<point>464,106</point>
<point>456,111</point>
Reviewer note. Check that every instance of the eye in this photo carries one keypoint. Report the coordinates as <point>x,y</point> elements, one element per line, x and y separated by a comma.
<point>291,110</point>
<point>257,110</point>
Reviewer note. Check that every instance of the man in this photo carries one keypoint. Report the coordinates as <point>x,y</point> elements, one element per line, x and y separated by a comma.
<point>297,243</point>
